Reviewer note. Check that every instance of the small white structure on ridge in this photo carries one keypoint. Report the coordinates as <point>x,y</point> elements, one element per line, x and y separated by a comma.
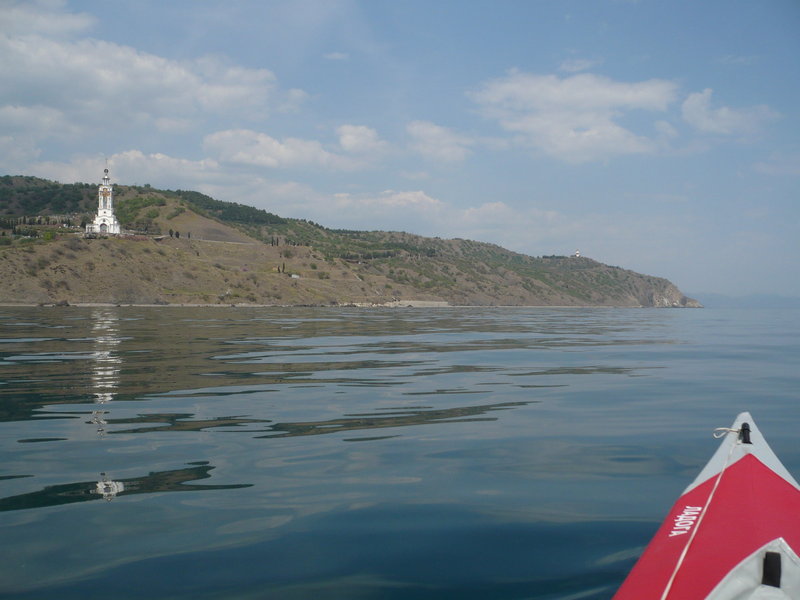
<point>105,222</point>
<point>577,254</point>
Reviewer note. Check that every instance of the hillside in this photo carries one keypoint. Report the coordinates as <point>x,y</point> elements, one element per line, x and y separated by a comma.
<point>192,249</point>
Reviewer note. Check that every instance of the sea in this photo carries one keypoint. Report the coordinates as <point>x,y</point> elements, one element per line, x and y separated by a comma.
<point>353,453</point>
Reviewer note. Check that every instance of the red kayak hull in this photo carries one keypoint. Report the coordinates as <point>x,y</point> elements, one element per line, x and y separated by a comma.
<point>717,524</point>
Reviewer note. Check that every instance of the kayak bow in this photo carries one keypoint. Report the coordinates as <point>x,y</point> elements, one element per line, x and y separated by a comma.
<point>733,534</point>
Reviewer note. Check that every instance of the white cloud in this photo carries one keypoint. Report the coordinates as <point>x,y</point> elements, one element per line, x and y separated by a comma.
<point>489,212</point>
<point>665,129</point>
<point>131,167</point>
<point>388,210</point>
<point>437,142</point>
<point>94,80</point>
<point>225,88</point>
<point>697,111</point>
<point>525,91</point>
<point>575,118</point>
<point>246,147</point>
<point>291,101</point>
<point>173,125</point>
<point>17,153</point>
<point>34,120</point>
<point>86,87</point>
<point>418,212</point>
<point>359,139</point>
<point>21,128</point>
<point>136,166</point>
<point>336,56</point>
<point>526,229</point>
<point>42,17</point>
<point>392,199</point>
<point>240,179</point>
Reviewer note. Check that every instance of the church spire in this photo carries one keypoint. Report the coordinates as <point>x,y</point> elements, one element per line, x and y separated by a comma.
<point>105,222</point>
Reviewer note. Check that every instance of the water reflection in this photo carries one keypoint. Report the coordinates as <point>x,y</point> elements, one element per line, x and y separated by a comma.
<point>179,422</point>
<point>392,417</point>
<point>178,351</point>
<point>98,419</point>
<point>507,464</point>
<point>107,488</point>
<point>405,418</point>
<point>106,363</point>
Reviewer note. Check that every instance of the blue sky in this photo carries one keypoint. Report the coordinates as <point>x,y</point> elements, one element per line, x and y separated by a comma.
<point>660,136</point>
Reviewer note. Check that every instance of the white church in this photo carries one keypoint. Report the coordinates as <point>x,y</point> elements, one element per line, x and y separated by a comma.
<point>105,222</point>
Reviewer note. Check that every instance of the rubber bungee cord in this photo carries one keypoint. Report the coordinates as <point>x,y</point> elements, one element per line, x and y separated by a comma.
<point>718,433</point>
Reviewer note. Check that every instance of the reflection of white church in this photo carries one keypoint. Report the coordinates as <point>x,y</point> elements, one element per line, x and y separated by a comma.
<point>104,222</point>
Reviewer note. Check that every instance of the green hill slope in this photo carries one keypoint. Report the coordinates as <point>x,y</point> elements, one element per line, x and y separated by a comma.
<point>191,248</point>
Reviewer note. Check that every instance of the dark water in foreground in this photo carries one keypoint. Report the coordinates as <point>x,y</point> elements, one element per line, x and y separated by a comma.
<point>336,453</point>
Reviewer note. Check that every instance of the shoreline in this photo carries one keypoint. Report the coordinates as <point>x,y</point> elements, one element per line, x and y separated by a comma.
<point>394,304</point>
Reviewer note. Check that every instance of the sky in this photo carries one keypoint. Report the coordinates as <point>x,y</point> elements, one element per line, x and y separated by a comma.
<point>657,135</point>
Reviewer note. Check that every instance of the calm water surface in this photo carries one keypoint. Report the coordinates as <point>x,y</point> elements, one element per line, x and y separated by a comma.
<point>335,454</point>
